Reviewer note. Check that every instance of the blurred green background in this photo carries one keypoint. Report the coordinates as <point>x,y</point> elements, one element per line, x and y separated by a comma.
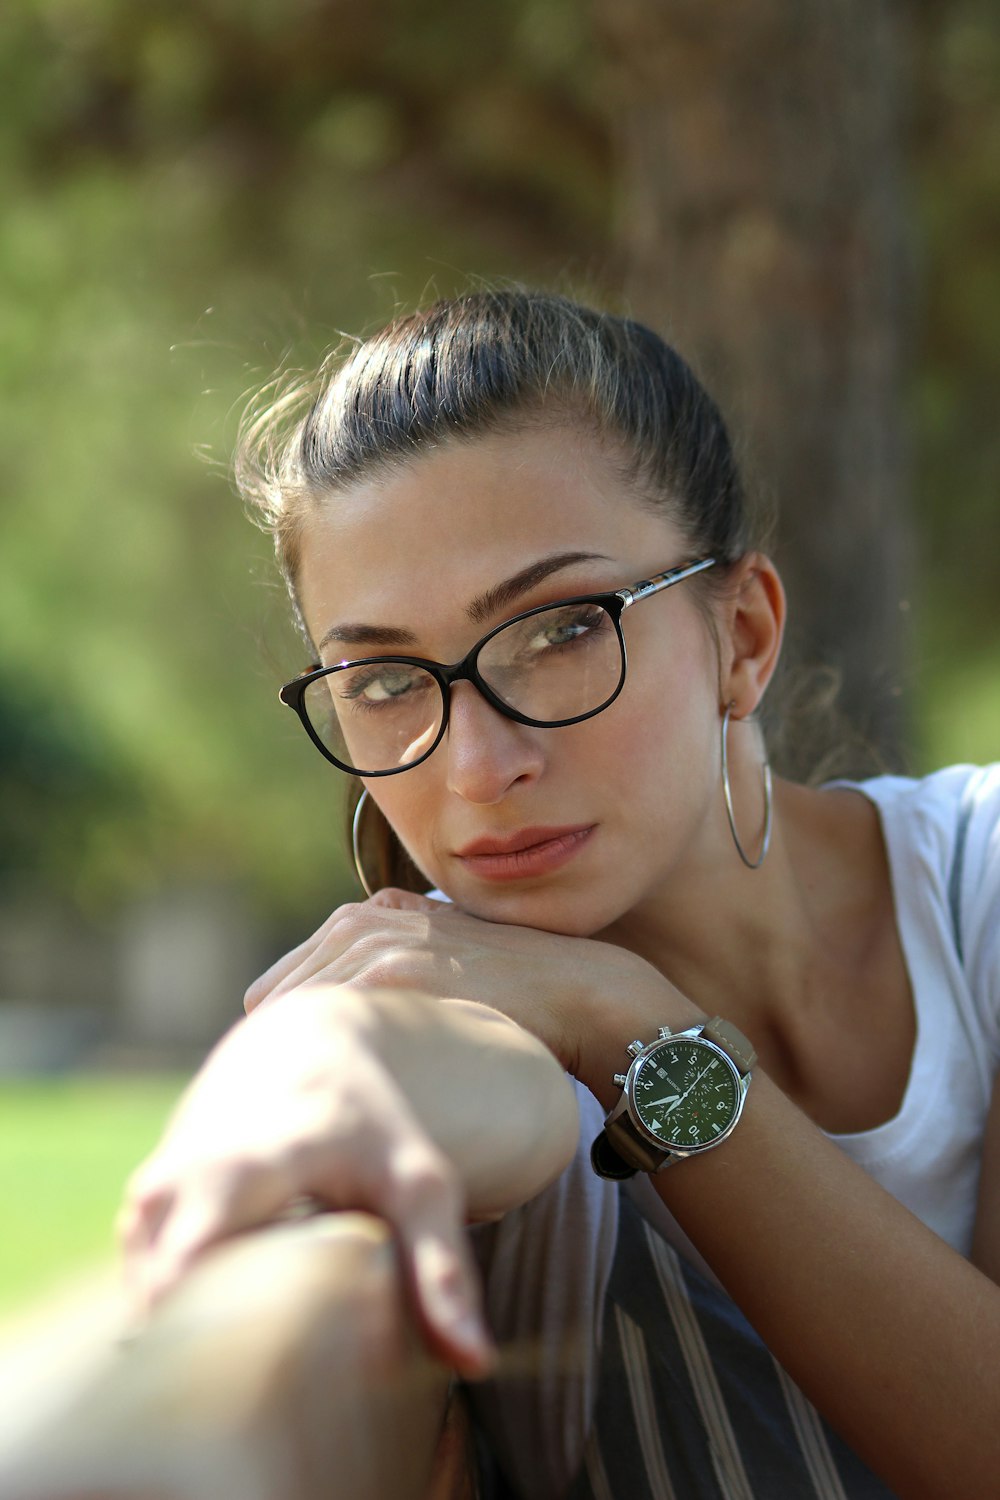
<point>192,194</point>
<point>66,1147</point>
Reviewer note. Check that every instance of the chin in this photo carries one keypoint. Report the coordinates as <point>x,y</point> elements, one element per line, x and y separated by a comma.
<point>567,913</point>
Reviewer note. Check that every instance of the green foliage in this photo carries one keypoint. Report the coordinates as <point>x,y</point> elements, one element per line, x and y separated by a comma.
<point>957,437</point>
<point>209,190</point>
<point>197,191</point>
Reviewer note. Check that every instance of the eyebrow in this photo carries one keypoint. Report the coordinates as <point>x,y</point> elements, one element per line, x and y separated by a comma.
<point>485,605</point>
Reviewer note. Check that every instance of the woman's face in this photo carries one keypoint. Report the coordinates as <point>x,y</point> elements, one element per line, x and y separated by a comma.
<point>566,829</point>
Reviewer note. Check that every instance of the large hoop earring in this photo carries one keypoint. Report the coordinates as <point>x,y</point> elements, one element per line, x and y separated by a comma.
<point>359,868</point>
<point>727,792</point>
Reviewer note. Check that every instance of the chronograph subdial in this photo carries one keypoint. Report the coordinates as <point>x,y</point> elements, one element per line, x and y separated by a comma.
<point>686,1093</point>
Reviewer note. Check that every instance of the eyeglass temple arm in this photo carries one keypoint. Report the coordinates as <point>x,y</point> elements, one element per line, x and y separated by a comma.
<point>648,586</point>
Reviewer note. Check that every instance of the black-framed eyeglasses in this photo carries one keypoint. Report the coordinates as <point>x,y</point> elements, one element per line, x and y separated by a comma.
<point>554,665</point>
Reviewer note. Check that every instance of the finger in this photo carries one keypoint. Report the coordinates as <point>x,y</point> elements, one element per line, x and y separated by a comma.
<point>140,1220</point>
<point>141,1215</point>
<point>286,966</point>
<point>331,942</point>
<point>394,1170</point>
<point>425,1207</point>
<point>399,900</point>
<point>361,940</point>
<point>226,1199</point>
<point>447,1296</point>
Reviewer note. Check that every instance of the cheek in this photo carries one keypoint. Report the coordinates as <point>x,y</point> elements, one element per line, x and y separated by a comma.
<point>667,710</point>
<point>662,757</point>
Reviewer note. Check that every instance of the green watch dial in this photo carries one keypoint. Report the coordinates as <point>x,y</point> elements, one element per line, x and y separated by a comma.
<point>686,1093</point>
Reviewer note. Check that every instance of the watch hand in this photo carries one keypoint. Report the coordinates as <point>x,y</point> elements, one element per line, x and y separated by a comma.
<point>672,1099</point>
<point>693,1085</point>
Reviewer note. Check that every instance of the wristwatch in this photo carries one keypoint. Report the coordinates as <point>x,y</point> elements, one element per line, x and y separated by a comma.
<point>682,1095</point>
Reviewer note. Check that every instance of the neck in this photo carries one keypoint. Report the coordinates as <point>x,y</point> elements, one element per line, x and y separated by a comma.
<point>763,947</point>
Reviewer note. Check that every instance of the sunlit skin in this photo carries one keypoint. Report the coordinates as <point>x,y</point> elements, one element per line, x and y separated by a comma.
<point>652,865</point>
<point>613,828</point>
<point>642,777</point>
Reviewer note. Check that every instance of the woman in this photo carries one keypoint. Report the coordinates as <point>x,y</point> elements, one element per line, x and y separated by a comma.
<point>526,488</point>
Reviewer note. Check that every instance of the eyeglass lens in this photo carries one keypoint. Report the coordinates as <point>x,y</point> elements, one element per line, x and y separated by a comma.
<point>560,663</point>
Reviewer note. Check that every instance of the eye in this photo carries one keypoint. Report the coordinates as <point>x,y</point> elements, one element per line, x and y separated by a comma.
<point>383,683</point>
<point>565,627</point>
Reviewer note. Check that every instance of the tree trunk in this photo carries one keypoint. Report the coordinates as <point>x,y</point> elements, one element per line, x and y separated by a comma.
<point>762,227</point>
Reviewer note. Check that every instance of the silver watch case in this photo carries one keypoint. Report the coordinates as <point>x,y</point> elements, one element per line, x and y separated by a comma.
<point>625,1105</point>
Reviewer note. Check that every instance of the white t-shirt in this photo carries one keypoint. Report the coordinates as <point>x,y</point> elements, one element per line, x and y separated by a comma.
<point>546,1265</point>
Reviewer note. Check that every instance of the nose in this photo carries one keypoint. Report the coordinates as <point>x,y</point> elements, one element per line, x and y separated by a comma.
<point>487,752</point>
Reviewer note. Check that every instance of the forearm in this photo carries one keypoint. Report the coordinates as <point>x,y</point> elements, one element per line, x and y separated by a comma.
<point>287,1367</point>
<point>492,1097</point>
<point>420,1111</point>
<point>889,1331</point>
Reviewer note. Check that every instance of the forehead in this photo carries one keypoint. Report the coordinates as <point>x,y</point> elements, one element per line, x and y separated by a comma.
<point>452,521</point>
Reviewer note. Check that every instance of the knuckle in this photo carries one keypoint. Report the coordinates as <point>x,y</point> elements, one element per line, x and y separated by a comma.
<point>147,1199</point>
<point>387,897</point>
<point>384,970</point>
<point>349,915</point>
<point>146,1187</point>
<point>424,1181</point>
<point>392,898</point>
<point>344,910</point>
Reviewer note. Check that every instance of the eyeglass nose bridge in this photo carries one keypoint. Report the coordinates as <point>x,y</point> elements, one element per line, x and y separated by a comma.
<point>467,670</point>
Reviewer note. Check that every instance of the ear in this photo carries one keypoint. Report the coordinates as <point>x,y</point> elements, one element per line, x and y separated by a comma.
<point>754,626</point>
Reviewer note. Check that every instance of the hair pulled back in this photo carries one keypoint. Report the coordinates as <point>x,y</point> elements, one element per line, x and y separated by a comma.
<point>490,361</point>
<point>478,364</point>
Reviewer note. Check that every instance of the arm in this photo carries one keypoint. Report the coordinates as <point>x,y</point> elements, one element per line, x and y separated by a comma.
<point>285,1367</point>
<point>421,1112</point>
<point>986,1239</point>
<point>888,1330</point>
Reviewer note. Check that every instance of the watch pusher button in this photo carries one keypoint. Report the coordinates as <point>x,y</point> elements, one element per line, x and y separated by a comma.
<point>665,1032</point>
<point>621,1079</point>
<point>635,1048</point>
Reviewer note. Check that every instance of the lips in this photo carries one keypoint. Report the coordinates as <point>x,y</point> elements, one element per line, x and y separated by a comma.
<point>515,843</point>
<point>528,852</point>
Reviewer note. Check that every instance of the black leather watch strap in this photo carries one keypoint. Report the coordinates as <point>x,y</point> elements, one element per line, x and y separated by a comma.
<point>606,1162</point>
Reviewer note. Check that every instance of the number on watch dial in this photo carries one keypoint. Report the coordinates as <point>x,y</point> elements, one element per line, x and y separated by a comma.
<point>685,1093</point>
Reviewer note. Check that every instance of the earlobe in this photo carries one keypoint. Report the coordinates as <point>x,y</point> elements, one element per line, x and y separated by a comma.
<point>756,626</point>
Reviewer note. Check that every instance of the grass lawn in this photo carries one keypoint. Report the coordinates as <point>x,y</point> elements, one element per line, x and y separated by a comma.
<point>66,1147</point>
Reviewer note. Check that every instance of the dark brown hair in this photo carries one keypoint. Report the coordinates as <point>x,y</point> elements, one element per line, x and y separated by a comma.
<point>481,363</point>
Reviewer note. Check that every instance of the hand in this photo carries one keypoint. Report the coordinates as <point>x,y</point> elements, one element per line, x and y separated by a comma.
<point>301,1102</point>
<point>579,996</point>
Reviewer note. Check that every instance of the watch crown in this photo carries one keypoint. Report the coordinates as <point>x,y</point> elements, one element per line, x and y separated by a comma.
<point>635,1048</point>
<point>621,1079</point>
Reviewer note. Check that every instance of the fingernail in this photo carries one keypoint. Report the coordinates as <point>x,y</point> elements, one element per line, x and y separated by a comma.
<point>472,1334</point>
